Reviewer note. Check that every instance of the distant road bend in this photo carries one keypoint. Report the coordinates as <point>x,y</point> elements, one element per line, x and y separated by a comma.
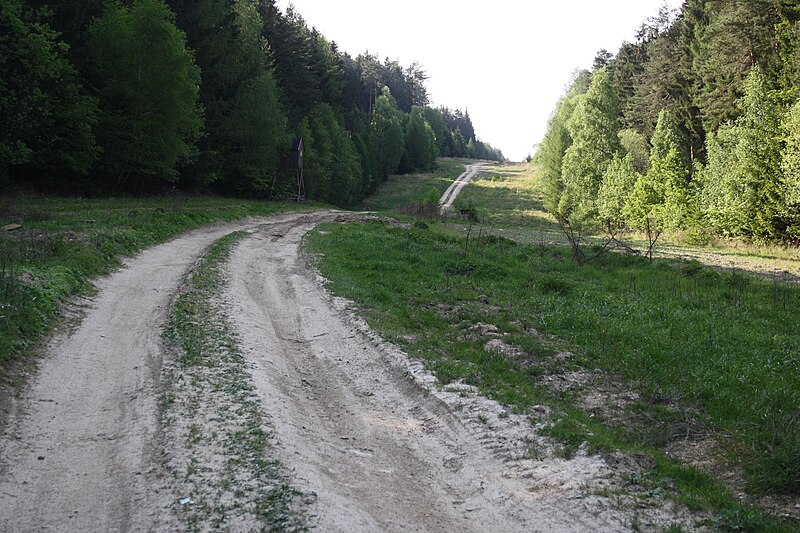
<point>452,192</point>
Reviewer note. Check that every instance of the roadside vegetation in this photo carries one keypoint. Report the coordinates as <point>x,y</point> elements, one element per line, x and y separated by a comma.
<point>694,365</point>
<point>704,353</point>
<point>62,244</point>
<point>211,411</point>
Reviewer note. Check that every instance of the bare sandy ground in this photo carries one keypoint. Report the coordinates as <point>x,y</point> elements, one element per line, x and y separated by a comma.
<point>362,427</point>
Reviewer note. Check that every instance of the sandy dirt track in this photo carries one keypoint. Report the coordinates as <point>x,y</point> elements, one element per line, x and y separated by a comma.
<point>358,424</point>
<point>79,451</point>
<point>452,192</point>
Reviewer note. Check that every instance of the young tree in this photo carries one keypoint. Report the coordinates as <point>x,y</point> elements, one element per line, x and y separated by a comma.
<point>634,144</point>
<point>443,139</point>
<point>669,167</point>
<point>47,120</point>
<point>644,208</point>
<point>420,142</point>
<point>387,133</point>
<point>556,140</point>
<point>744,192</point>
<point>148,97</point>
<point>617,184</point>
<point>593,127</point>
<point>790,165</point>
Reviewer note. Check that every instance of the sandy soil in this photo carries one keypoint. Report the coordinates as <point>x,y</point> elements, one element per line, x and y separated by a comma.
<point>452,192</point>
<point>362,427</point>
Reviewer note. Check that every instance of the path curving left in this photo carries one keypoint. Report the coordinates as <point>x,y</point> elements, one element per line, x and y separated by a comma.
<point>80,449</point>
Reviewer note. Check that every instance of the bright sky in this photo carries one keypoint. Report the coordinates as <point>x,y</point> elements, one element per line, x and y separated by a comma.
<point>506,61</point>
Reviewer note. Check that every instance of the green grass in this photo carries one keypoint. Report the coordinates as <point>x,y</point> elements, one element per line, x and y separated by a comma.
<point>507,197</point>
<point>64,243</point>
<point>721,343</point>
<point>400,191</point>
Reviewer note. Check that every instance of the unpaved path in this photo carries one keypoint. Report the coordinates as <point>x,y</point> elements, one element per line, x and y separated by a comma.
<point>357,423</point>
<point>79,451</point>
<point>452,192</point>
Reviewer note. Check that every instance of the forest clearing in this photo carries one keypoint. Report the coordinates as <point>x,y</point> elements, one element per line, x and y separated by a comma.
<point>256,279</point>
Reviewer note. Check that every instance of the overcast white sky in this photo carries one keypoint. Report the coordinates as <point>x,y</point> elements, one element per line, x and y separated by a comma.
<point>506,61</point>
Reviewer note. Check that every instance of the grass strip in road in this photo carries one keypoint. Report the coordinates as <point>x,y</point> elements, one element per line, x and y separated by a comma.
<point>723,345</point>
<point>218,443</point>
<point>63,243</point>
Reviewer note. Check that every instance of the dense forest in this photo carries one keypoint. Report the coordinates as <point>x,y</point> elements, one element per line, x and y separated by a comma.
<point>137,97</point>
<point>694,127</point>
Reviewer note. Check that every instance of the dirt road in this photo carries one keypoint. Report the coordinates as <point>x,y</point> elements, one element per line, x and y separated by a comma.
<point>364,429</point>
<point>452,192</point>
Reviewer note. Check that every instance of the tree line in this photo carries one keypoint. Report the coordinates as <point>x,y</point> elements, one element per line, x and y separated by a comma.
<point>695,126</point>
<point>139,96</point>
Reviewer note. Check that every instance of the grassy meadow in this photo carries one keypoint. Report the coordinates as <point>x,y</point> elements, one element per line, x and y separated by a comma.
<point>684,355</point>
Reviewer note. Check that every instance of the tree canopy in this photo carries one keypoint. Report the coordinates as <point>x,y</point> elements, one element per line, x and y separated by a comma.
<point>139,96</point>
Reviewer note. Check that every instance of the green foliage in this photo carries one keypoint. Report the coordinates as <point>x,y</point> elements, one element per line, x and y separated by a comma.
<point>744,193</point>
<point>47,119</point>
<point>444,141</point>
<point>420,143</point>
<point>593,127</point>
<point>557,139</point>
<point>668,136</point>
<point>644,208</point>
<point>790,165</point>
<point>148,91</point>
<point>729,39</point>
<point>634,144</point>
<point>617,184</point>
<point>669,167</point>
<point>387,133</point>
<point>332,167</point>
